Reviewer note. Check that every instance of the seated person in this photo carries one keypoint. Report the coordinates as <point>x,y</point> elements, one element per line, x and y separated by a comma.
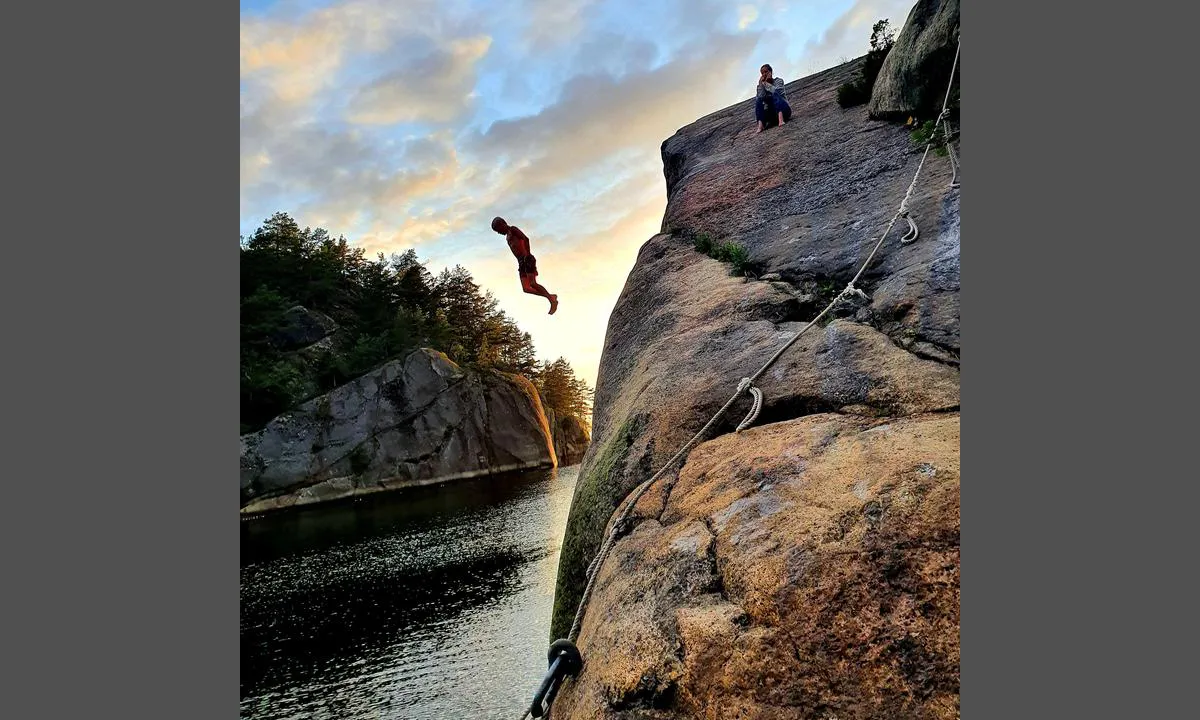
<point>769,101</point>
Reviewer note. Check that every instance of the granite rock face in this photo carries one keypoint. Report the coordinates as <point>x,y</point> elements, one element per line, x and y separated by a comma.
<point>914,75</point>
<point>418,420</point>
<point>807,567</point>
<point>570,437</point>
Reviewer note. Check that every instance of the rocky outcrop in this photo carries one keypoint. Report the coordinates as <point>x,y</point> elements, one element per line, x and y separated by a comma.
<point>807,567</point>
<point>914,75</point>
<point>570,437</point>
<point>303,327</point>
<point>418,420</point>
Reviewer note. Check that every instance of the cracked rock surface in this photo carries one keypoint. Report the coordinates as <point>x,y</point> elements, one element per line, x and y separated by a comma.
<point>803,569</point>
<point>807,567</point>
<point>417,420</point>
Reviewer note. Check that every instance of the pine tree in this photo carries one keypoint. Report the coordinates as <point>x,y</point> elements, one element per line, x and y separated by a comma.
<point>384,308</point>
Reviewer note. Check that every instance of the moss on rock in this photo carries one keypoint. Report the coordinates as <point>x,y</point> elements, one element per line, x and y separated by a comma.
<point>597,494</point>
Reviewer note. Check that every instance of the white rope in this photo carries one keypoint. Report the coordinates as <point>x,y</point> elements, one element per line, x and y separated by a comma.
<point>912,234</point>
<point>945,118</point>
<point>755,408</point>
<point>747,384</point>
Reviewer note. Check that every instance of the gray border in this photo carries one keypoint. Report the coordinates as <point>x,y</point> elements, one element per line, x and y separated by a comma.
<point>120,504</point>
<point>121,522</point>
<point>1062,518</point>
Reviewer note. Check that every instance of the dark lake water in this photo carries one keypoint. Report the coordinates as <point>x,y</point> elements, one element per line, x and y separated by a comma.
<point>426,604</point>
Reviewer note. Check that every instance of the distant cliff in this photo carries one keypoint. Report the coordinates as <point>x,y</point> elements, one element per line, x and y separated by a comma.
<point>570,437</point>
<point>807,567</point>
<point>413,421</point>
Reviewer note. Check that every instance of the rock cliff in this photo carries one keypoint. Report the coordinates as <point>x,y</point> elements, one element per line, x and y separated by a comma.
<point>807,567</point>
<point>913,78</point>
<point>418,420</point>
<point>570,437</point>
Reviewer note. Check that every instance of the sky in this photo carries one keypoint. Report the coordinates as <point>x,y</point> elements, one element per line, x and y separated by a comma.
<point>412,123</point>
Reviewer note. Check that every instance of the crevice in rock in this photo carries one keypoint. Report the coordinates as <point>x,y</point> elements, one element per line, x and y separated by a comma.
<point>405,420</point>
<point>437,450</point>
<point>651,693</point>
<point>718,583</point>
<point>881,551</point>
<point>907,337</point>
<point>913,342</point>
<point>794,407</point>
<point>667,493</point>
<point>813,292</point>
<point>942,354</point>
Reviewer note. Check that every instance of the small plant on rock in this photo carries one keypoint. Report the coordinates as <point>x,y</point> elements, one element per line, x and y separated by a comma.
<point>729,251</point>
<point>933,132</point>
<point>735,254</point>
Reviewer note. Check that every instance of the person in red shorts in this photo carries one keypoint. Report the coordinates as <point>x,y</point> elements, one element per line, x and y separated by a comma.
<point>518,242</point>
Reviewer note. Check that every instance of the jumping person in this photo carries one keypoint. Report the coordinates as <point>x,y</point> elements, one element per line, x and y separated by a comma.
<point>518,242</point>
<point>768,97</point>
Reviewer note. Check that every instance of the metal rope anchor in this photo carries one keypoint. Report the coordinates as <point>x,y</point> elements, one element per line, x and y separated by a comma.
<point>565,661</point>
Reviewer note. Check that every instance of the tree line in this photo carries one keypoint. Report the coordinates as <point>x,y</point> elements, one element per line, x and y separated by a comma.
<point>384,308</point>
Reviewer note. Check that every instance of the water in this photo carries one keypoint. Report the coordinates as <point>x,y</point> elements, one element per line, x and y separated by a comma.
<point>427,604</point>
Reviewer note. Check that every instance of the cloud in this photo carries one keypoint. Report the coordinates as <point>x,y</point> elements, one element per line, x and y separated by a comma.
<point>411,123</point>
<point>413,231</point>
<point>599,115</point>
<point>849,36</point>
<point>554,23</point>
<point>293,62</point>
<point>326,94</point>
<point>747,14</point>
<point>436,88</point>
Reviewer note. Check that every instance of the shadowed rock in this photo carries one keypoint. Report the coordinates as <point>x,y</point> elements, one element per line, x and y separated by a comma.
<point>913,78</point>
<point>303,327</point>
<point>570,437</point>
<point>414,421</point>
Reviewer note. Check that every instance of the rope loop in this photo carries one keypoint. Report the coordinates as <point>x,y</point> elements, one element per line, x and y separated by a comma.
<point>755,407</point>
<point>912,234</point>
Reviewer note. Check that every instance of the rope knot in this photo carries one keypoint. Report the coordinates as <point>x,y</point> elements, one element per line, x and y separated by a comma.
<point>851,290</point>
<point>744,385</point>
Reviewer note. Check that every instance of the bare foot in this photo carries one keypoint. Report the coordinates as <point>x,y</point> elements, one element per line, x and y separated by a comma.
<point>780,119</point>
<point>760,129</point>
<point>553,303</point>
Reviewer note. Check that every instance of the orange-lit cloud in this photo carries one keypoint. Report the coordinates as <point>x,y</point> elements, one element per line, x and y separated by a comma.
<point>410,124</point>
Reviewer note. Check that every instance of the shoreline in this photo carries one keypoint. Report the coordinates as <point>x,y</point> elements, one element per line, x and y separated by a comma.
<point>342,489</point>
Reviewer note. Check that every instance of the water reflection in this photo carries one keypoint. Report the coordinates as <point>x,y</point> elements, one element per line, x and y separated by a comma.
<point>431,603</point>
